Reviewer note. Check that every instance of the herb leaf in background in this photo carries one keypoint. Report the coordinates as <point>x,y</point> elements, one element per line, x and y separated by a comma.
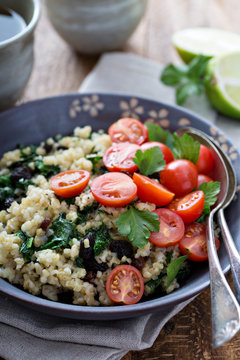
<point>46,170</point>
<point>210,190</point>
<point>186,148</point>
<point>156,133</point>
<point>149,161</point>
<point>101,237</point>
<point>173,268</point>
<point>188,79</point>
<point>27,248</point>
<point>63,233</point>
<point>137,225</point>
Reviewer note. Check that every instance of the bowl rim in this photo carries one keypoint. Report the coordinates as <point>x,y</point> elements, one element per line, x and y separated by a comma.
<point>100,312</point>
<point>26,30</point>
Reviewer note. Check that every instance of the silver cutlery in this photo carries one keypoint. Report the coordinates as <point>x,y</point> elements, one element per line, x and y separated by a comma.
<point>224,305</point>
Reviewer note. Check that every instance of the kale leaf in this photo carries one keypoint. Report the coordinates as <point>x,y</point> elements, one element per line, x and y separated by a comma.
<point>27,248</point>
<point>46,170</point>
<point>83,214</point>
<point>102,238</point>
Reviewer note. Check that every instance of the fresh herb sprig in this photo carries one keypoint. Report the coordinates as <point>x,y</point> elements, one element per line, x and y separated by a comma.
<point>188,79</point>
<point>149,161</point>
<point>186,148</point>
<point>210,190</point>
<point>137,224</point>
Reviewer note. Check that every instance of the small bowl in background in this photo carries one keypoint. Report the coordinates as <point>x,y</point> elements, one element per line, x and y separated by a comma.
<point>95,26</point>
<point>16,53</point>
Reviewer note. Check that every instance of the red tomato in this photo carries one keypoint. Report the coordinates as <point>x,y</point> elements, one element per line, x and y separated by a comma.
<point>69,183</point>
<point>167,154</point>
<point>171,228</point>
<point>125,285</point>
<point>150,191</point>
<point>189,207</point>
<point>203,178</point>
<point>119,157</point>
<point>114,189</point>
<point>194,242</point>
<point>128,130</point>
<point>179,176</point>
<point>205,160</point>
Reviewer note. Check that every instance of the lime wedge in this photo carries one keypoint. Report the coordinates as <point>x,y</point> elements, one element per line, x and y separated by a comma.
<point>206,41</point>
<point>223,84</point>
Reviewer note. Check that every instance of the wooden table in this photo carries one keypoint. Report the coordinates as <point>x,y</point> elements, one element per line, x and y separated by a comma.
<point>58,70</point>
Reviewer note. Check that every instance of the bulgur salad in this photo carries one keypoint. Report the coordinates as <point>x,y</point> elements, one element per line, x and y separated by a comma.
<point>105,218</point>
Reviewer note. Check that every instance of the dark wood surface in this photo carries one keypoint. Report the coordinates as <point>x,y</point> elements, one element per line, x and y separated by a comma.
<point>58,70</point>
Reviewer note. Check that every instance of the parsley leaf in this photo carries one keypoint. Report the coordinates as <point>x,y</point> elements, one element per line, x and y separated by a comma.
<point>186,148</point>
<point>149,161</point>
<point>137,224</point>
<point>174,267</point>
<point>188,79</point>
<point>210,190</point>
<point>156,133</point>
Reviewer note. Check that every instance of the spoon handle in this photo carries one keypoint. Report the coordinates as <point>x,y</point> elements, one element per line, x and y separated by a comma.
<point>225,308</point>
<point>233,254</point>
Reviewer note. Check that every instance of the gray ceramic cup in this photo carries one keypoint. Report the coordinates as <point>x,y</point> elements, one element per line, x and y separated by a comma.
<point>95,26</point>
<point>16,53</point>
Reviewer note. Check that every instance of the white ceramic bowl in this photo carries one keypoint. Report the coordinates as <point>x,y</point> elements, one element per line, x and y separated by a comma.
<point>95,26</point>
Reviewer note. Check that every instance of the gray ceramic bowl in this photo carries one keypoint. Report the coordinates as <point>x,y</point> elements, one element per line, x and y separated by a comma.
<point>95,26</point>
<point>30,123</point>
<point>16,53</point>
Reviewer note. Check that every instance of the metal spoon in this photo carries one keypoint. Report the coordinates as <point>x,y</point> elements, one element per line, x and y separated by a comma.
<point>225,308</point>
<point>232,251</point>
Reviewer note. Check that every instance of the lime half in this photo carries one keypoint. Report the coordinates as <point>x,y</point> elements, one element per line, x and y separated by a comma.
<point>223,84</point>
<point>206,41</point>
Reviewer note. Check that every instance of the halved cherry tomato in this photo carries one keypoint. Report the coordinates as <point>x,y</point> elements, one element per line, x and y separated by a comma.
<point>205,160</point>
<point>189,207</point>
<point>119,157</point>
<point>167,154</point>
<point>69,183</point>
<point>128,130</point>
<point>194,242</point>
<point>150,191</point>
<point>179,176</point>
<point>125,285</point>
<point>203,178</point>
<point>171,228</point>
<point>114,189</point>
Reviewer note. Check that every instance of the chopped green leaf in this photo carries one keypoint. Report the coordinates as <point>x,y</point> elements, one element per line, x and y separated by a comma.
<point>153,285</point>
<point>27,248</point>
<point>5,193</point>
<point>156,133</point>
<point>169,255</point>
<point>46,170</point>
<point>63,233</point>
<point>5,180</point>
<point>174,267</point>
<point>149,161</point>
<point>83,214</point>
<point>186,148</point>
<point>188,79</point>
<point>101,237</point>
<point>210,190</point>
<point>183,273</point>
<point>95,160</point>
<point>137,224</point>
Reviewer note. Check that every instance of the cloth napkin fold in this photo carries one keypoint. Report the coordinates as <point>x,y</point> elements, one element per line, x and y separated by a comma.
<point>26,334</point>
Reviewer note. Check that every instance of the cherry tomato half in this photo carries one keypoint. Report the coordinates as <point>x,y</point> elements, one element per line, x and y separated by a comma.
<point>189,207</point>
<point>203,178</point>
<point>167,154</point>
<point>128,130</point>
<point>114,189</point>
<point>119,157</point>
<point>194,242</point>
<point>205,160</point>
<point>171,228</point>
<point>150,191</point>
<point>179,176</point>
<point>125,285</point>
<point>69,183</point>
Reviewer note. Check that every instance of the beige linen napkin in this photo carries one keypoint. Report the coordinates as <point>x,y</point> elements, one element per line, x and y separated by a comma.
<point>26,334</point>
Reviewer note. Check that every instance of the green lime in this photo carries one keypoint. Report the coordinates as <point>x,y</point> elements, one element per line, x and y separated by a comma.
<point>206,41</point>
<point>223,84</point>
